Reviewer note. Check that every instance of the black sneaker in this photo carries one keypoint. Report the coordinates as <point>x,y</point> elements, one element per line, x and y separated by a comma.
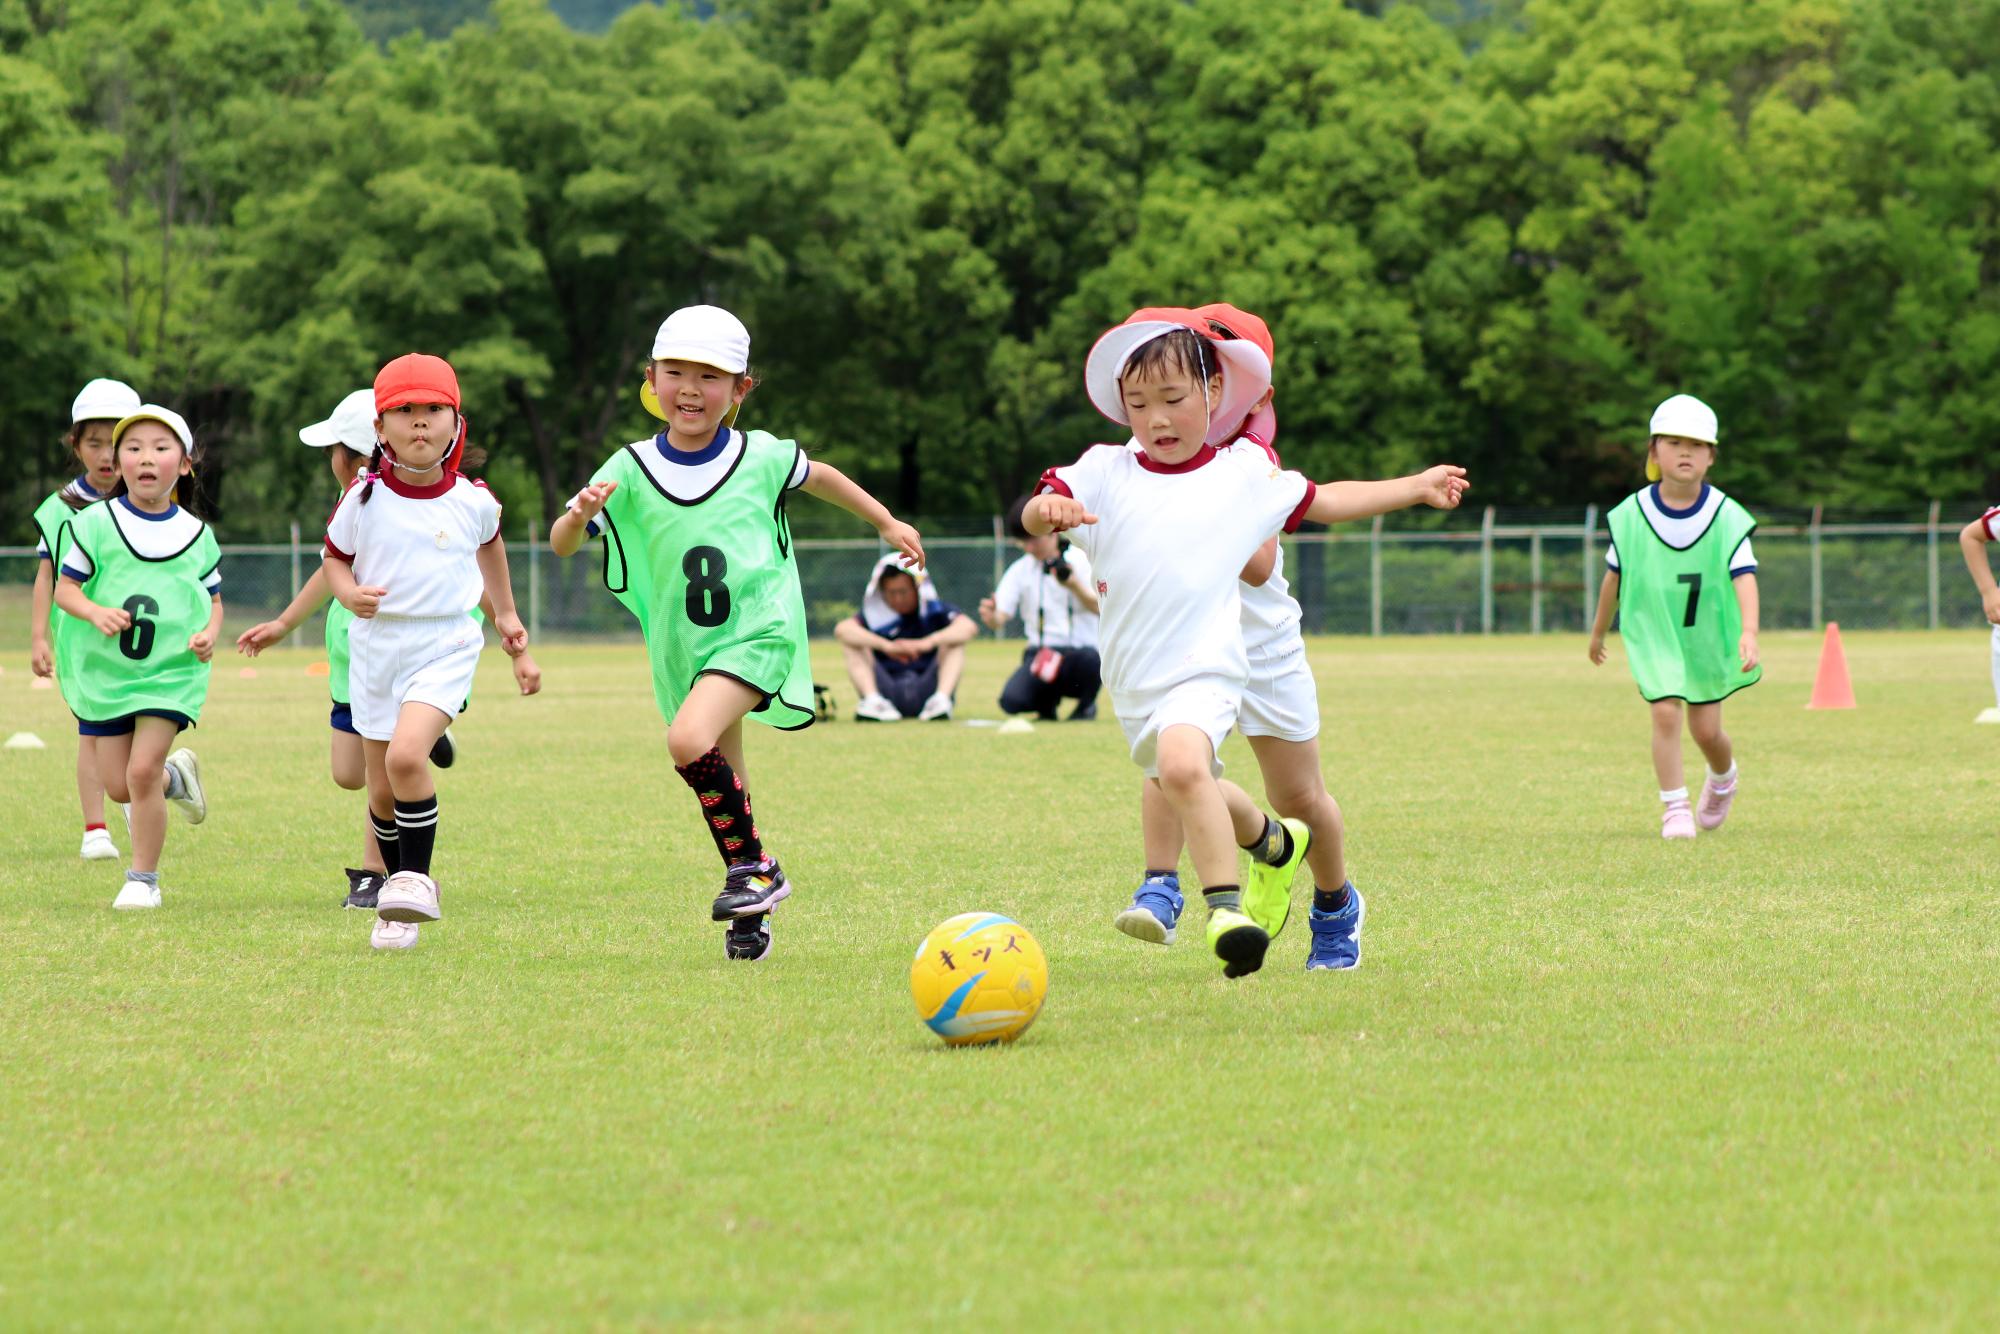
<point>1084,712</point>
<point>362,887</point>
<point>751,888</point>
<point>444,751</point>
<point>748,938</point>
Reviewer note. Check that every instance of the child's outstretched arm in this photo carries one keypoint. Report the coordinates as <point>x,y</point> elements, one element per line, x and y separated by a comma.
<point>566,534</point>
<point>1972,540</point>
<point>1338,502</point>
<point>500,596</point>
<point>1607,605</point>
<point>266,633</point>
<point>41,654</point>
<point>108,620</point>
<point>833,486</point>
<point>1747,603</point>
<point>1052,512</point>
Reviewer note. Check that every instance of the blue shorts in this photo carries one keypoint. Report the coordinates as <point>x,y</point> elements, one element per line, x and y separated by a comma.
<point>126,725</point>
<point>343,718</point>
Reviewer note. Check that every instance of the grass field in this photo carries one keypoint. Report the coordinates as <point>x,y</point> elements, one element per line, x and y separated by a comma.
<point>1583,1078</point>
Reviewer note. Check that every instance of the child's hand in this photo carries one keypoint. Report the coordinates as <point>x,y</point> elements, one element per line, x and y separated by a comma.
<point>1746,649</point>
<point>1441,487</point>
<point>588,503</point>
<point>203,644</point>
<point>41,659</point>
<point>365,601</point>
<point>527,675</point>
<point>1597,654</point>
<point>513,635</point>
<point>906,540</point>
<point>109,620</point>
<point>1063,512</point>
<point>260,637</point>
<point>1991,604</point>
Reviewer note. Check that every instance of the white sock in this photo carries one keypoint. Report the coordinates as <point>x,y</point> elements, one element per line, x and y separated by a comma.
<point>1678,794</point>
<point>1996,664</point>
<point>1723,782</point>
<point>174,787</point>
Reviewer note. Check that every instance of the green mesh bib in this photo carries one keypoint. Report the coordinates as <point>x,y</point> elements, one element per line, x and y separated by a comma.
<point>150,665</point>
<point>1677,609</point>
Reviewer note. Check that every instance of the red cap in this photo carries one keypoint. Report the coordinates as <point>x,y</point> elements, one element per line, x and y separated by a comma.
<point>415,377</point>
<point>1230,322</point>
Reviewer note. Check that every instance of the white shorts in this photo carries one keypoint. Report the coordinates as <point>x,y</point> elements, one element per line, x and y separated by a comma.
<point>1281,698</point>
<point>1209,703</point>
<point>398,660</point>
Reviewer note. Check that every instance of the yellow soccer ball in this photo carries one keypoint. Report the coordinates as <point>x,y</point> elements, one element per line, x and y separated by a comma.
<point>979,977</point>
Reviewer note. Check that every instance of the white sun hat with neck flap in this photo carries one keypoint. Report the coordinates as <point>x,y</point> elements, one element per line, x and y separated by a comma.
<point>707,335</point>
<point>1683,415</point>
<point>351,424</point>
<point>104,400</point>
<point>1246,371</point>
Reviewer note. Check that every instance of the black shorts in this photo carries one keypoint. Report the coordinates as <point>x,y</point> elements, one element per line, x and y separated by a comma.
<point>342,718</point>
<point>126,725</point>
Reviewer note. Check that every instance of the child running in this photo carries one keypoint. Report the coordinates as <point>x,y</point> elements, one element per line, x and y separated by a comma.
<point>141,580</point>
<point>408,550</point>
<point>1168,527</point>
<point>1675,547</point>
<point>348,436</point>
<point>697,547</point>
<point>1280,719</point>
<point>98,409</point>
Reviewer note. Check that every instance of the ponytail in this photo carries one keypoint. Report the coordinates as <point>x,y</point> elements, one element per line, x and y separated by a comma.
<point>374,466</point>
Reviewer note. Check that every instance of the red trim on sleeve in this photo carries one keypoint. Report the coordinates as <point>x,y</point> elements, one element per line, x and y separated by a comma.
<point>337,553</point>
<point>1986,522</point>
<point>1052,484</point>
<point>1298,515</point>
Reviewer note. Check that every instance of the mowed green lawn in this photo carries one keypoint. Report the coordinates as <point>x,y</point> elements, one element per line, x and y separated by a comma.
<point>1583,1077</point>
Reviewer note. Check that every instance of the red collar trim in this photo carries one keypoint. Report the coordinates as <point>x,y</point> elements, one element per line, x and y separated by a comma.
<point>1188,464</point>
<point>443,484</point>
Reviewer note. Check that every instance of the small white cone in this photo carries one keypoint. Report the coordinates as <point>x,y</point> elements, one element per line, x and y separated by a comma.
<point>1988,716</point>
<point>24,741</point>
<point>1014,727</point>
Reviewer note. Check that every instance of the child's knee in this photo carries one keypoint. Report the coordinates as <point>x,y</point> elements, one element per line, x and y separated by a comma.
<point>686,745</point>
<point>1667,715</point>
<point>1303,801</point>
<point>143,780</point>
<point>405,763</point>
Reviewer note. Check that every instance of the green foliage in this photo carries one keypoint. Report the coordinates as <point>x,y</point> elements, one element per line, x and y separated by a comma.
<point>1491,230</point>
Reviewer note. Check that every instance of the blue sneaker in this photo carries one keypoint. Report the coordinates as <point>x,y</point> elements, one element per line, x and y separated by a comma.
<point>1336,936</point>
<point>1156,906</point>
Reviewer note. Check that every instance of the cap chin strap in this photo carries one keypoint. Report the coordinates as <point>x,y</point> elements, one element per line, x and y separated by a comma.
<point>449,461</point>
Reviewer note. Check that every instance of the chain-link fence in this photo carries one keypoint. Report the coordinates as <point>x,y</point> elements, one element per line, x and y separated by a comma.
<point>1489,571</point>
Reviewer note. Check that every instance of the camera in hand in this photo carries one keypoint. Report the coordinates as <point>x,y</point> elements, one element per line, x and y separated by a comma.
<point>1057,566</point>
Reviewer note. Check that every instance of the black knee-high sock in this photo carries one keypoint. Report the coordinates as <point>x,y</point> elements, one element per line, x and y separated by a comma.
<point>416,829</point>
<point>725,805</point>
<point>385,839</point>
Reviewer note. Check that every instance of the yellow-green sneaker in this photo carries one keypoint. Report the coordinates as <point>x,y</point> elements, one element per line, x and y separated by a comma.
<point>1267,897</point>
<point>1237,941</point>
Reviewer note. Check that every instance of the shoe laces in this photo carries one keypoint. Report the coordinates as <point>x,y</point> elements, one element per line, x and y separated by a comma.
<point>741,873</point>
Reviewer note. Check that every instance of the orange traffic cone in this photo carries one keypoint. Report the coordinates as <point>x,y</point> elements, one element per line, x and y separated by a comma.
<point>1831,688</point>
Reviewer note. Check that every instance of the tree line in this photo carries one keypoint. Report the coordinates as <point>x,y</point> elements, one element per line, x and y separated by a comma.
<point>1493,233</point>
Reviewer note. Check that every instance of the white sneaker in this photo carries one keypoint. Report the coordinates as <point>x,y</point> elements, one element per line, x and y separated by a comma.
<point>137,894</point>
<point>393,935</point>
<point>98,847</point>
<point>191,803</point>
<point>408,896</point>
<point>935,708</point>
<point>876,709</point>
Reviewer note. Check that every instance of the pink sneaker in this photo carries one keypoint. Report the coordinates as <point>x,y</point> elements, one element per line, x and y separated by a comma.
<point>1677,821</point>
<point>1714,807</point>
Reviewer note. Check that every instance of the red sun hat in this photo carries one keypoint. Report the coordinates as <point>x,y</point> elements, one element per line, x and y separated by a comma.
<point>415,377</point>
<point>1234,322</point>
<point>1245,367</point>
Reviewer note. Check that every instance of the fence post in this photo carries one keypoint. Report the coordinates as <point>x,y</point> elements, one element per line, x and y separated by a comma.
<point>1375,577</point>
<point>1931,542</point>
<point>296,583</point>
<point>534,584</point>
<point>1589,564</point>
<point>1812,537</point>
<point>1486,572</point>
<point>1535,582</point>
<point>999,546</point>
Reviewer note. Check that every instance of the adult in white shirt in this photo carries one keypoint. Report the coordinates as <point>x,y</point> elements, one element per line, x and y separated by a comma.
<point>1051,589</point>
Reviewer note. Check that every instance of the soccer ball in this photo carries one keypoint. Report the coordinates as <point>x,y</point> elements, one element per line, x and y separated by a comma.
<point>979,977</point>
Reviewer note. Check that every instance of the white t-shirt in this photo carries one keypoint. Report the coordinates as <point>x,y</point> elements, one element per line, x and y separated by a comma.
<point>153,536</point>
<point>1051,614</point>
<point>1986,522</point>
<point>690,478</point>
<point>421,543</point>
<point>1167,548</point>
<point>1271,615</point>
<point>1681,529</point>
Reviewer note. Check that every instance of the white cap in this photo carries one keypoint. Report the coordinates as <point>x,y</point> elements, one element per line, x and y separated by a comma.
<point>706,334</point>
<point>1686,416</point>
<point>351,424</point>
<point>1246,374</point>
<point>167,417</point>
<point>104,400</point>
